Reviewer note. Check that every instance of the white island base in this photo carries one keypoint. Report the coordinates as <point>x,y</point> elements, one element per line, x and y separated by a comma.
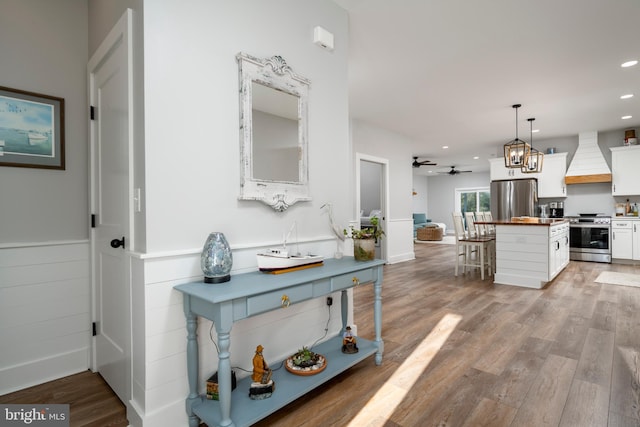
<point>531,255</point>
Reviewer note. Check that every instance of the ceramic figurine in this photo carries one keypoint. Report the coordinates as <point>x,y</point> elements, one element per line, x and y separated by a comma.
<point>349,342</point>
<point>262,386</point>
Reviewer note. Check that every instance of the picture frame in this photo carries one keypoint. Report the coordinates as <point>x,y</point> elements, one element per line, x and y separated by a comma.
<point>31,130</point>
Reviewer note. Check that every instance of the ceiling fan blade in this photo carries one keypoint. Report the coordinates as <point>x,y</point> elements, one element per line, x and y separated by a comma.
<point>417,164</point>
<point>454,171</point>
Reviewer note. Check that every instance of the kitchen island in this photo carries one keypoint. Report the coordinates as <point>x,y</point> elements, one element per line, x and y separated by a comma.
<point>530,252</point>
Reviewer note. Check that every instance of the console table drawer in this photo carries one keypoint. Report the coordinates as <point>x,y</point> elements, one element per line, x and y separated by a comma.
<point>278,299</point>
<point>350,280</point>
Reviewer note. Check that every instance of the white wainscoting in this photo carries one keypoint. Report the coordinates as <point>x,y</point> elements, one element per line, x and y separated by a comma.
<point>45,312</point>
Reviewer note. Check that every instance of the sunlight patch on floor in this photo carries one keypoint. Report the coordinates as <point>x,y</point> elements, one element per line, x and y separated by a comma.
<point>381,406</point>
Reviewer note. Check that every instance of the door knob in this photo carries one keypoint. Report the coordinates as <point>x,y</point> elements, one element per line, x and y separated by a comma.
<point>115,243</point>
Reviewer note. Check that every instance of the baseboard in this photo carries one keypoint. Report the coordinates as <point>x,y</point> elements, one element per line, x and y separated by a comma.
<point>134,414</point>
<point>408,256</point>
<point>171,415</point>
<point>19,377</point>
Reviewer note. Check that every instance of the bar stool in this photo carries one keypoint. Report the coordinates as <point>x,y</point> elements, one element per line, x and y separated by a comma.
<point>465,244</point>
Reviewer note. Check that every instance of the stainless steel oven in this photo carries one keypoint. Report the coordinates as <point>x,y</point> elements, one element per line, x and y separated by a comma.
<point>590,237</point>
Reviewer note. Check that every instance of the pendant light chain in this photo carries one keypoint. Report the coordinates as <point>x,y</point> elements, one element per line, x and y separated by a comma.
<point>516,107</point>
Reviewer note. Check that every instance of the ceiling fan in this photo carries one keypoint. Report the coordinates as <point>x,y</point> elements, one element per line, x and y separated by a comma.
<point>454,171</point>
<point>417,164</point>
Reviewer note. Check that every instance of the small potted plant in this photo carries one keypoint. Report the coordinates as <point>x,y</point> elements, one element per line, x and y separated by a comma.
<point>364,240</point>
<point>306,362</point>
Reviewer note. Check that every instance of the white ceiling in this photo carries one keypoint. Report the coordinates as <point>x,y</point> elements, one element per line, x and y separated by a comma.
<point>447,72</point>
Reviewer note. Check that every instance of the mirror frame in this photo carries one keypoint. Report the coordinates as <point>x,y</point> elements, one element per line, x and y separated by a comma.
<point>276,74</point>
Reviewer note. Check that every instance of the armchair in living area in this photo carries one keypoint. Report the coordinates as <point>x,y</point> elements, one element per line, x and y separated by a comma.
<point>419,220</point>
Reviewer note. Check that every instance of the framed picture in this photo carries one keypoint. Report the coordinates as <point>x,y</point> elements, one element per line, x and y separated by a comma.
<point>31,130</point>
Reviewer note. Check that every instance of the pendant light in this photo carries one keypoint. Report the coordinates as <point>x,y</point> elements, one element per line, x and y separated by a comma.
<point>533,160</point>
<point>516,150</point>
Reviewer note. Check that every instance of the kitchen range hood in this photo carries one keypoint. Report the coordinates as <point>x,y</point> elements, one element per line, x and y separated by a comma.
<point>588,164</point>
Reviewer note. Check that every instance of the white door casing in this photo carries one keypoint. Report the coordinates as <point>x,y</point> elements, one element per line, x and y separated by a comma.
<point>111,139</point>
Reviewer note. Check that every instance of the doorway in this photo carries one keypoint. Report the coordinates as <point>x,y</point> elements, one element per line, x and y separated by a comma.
<point>371,195</point>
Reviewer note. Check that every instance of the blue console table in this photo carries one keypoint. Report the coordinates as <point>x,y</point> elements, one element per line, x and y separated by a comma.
<point>251,294</point>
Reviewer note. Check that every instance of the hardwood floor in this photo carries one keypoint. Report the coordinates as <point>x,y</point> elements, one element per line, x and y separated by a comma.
<point>91,402</point>
<point>460,351</point>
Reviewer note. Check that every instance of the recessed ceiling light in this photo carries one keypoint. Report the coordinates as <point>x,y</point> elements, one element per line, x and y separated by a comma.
<point>476,157</point>
<point>627,96</point>
<point>626,117</point>
<point>535,131</point>
<point>629,64</point>
<point>444,147</point>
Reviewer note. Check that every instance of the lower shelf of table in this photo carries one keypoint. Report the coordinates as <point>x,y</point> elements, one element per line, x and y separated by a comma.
<point>288,387</point>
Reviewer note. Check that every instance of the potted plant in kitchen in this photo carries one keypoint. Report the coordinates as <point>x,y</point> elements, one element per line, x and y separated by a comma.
<point>364,240</point>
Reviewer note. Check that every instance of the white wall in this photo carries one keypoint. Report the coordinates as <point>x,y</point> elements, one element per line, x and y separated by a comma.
<point>191,117</point>
<point>396,149</point>
<point>44,50</point>
<point>421,194</point>
<point>188,167</point>
<point>192,178</point>
<point>45,319</point>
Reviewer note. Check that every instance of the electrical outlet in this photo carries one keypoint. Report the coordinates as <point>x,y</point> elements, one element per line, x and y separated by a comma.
<point>329,301</point>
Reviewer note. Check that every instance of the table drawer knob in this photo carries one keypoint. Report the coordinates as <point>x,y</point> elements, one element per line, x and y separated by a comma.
<point>285,301</point>
<point>355,281</point>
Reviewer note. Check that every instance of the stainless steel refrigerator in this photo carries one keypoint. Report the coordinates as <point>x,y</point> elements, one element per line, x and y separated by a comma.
<point>516,197</point>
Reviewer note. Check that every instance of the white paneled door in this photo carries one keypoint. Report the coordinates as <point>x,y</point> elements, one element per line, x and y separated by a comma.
<point>110,97</point>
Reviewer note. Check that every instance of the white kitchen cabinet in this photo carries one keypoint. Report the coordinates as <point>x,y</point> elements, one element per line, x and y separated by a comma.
<point>497,171</point>
<point>625,170</point>
<point>635,244</point>
<point>551,179</point>
<point>565,246</point>
<point>554,254</point>
<point>622,239</point>
<point>558,249</point>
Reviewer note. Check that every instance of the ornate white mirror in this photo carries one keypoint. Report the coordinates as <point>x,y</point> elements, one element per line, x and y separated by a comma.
<point>273,132</point>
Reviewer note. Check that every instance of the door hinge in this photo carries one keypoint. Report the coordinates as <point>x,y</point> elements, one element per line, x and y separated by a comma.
<point>92,112</point>
<point>93,220</point>
<point>94,329</point>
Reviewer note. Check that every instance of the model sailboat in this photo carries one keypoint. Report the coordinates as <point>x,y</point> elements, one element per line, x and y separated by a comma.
<point>282,259</point>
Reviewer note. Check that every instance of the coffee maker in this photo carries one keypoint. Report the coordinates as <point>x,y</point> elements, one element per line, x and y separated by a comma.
<point>556,210</point>
<point>544,211</point>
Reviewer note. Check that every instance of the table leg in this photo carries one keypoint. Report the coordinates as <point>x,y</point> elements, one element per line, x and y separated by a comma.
<point>192,363</point>
<point>377,315</point>
<point>344,308</point>
<point>224,373</point>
